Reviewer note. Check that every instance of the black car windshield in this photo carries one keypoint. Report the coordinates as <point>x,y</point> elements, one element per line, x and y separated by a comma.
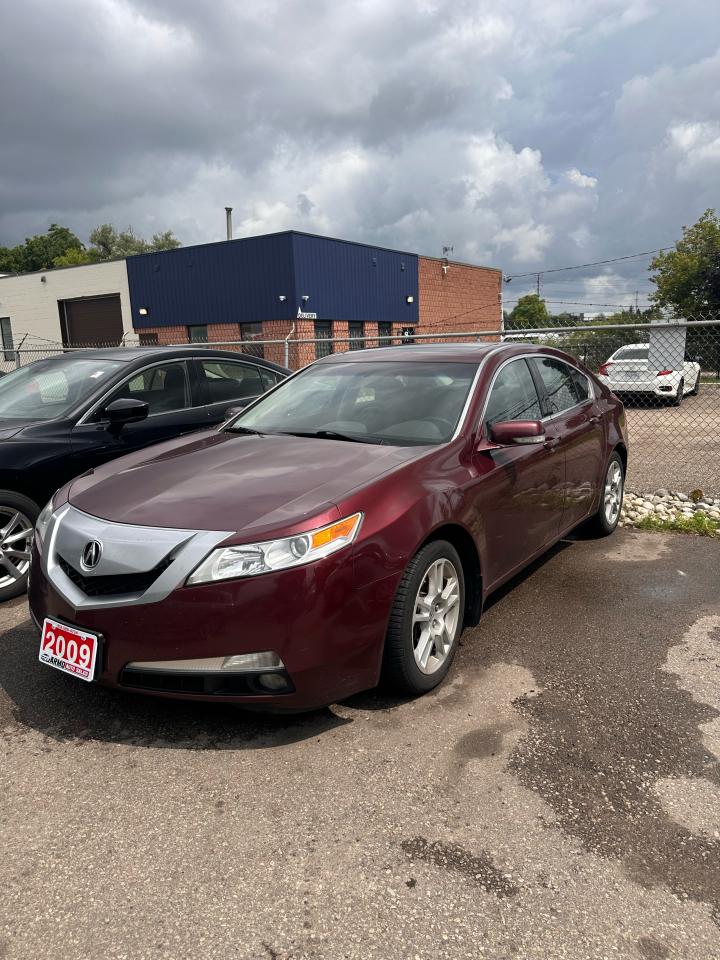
<point>48,389</point>
<point>400,403</point>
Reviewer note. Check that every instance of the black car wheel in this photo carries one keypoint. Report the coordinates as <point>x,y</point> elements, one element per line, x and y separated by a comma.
<point>678,399</point>
<point>17,522</point>
<point>426,620</point>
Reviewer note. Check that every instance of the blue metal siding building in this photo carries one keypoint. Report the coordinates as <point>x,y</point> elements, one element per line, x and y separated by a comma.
<point>242,281</point>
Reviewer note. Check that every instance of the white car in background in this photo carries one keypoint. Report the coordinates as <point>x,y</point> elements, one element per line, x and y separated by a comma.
<point>628,371</point>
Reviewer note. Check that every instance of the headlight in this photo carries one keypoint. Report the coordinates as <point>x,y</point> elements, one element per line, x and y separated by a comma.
<point>41,524</point>
<point>250,559</point>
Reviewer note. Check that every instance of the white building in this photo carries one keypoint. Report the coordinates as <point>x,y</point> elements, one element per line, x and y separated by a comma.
<point>71,305</point>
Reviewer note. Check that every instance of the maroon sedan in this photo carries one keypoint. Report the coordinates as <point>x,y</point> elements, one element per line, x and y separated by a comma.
<point>344,528</point>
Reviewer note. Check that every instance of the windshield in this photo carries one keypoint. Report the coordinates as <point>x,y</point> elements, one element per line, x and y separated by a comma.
<point>632,353</point>
<point>398,403</point>
<point>48,389</point>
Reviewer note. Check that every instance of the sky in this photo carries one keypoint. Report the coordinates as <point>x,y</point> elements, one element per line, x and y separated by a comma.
<point>525,134</point>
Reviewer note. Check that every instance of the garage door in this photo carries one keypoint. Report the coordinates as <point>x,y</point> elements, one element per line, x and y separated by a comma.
<point>91,321</point>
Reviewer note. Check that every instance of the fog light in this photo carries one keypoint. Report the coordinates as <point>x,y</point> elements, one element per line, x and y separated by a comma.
<point>273,681</point>
<point>243,662</point>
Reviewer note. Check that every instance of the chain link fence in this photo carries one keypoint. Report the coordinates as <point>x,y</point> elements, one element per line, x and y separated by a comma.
<point>667,374</point>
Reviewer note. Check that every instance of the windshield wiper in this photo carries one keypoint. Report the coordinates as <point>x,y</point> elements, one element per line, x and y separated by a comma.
<point>241,429</point>
<point>330,435</point>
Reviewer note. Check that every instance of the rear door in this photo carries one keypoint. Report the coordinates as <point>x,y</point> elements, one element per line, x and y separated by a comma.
<point>224,384</point>
<point>165,387</point>
<point>518,488</point>
<point>573,423</point>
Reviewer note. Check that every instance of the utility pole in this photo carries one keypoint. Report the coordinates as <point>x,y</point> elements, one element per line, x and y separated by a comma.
<point>538,285</point>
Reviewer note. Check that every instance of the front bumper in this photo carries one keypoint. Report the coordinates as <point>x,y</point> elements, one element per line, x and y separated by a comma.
<point>328,632</point>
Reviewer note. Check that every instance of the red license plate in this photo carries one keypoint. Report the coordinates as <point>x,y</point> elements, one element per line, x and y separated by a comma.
<point>69,649</point>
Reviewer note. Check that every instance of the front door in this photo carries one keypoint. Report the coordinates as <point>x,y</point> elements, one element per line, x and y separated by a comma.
<point>574,422</point>
<point>165,387</point>
<point>518,488</point>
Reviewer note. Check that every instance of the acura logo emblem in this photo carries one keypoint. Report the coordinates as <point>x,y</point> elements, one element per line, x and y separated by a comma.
<point>91,554</point>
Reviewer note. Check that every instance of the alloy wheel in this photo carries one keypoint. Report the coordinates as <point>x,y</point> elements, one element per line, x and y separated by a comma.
<point>436,616</point>
<point>613,493</point>
<point>16,532</point>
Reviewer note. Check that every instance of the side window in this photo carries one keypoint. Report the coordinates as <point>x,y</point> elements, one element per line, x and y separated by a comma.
<point>513,395</point>
<point>270,378</point>
<point>163,387</point>
<point>226,380</point>
<point>559,384</point>
<point>583,388</point>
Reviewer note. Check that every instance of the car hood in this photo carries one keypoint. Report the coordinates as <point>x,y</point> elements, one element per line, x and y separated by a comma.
<point>233,482</point>
<point>10,428</point>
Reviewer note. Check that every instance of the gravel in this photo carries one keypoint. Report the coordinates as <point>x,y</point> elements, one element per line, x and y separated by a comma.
<point>667,505</point>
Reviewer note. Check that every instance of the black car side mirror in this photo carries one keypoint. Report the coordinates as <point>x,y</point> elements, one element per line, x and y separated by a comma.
<point>125,410</point>
<point>234,410</point>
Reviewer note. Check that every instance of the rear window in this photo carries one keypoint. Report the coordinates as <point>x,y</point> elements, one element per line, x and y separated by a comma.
<point>632,353</point>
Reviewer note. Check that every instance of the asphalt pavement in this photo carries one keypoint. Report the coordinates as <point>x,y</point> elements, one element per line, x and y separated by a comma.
<point>558,796</point>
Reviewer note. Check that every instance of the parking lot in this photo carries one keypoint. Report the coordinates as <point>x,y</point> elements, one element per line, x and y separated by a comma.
<point>677,448</point>
<point>558,796</point>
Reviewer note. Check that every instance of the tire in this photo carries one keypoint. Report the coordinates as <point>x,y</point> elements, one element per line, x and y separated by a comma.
<point>17,516</point>
<point>605,522</point>
<point>677,400</point>
<point>696,389</point>
<point>407,641</point>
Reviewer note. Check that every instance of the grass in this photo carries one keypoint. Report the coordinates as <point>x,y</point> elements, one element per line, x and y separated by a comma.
<point>699,523</point>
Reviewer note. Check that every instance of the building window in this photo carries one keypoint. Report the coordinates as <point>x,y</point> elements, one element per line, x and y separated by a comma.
<point>385,330</point>
<point>148,339</point>
<point>250,332</point>
<point>408,335</point>
<point>198,333</point>
<point>356,331</point>
<point>7,339</point>
<point>323,331</point>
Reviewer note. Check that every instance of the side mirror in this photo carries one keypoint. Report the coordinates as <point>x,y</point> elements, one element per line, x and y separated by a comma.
<point>517,431</point>
<point>125,410</point>
<point>234,410</point>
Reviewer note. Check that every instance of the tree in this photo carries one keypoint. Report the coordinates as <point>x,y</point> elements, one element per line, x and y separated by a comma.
<point>59,247</point>
<point>39,252</point>
<point>106,243</point>
<point>529,312</point>
<point>688,277</point>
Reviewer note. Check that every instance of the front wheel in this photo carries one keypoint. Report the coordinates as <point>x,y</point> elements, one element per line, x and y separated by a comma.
<point>17,521</point>
<point>611,499</point>
<point>426,620</point>
<point>696,389</point>
<point>680,394</point>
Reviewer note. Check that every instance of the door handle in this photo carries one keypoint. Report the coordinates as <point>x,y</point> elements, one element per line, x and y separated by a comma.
<point>551,442</point>
<point>595,418</point>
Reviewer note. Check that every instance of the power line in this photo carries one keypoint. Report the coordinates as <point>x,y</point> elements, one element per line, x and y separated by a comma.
<point>594,263</point>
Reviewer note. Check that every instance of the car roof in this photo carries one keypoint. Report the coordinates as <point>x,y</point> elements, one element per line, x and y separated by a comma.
<point>419,351</point>
<point>452,352</point>
<point>143,354</point>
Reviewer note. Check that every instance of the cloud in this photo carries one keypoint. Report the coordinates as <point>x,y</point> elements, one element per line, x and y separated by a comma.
<point>578,179</point>
<point>529,133</point>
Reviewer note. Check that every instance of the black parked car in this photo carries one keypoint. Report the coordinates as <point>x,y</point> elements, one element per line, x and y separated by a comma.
<point>63,416</point>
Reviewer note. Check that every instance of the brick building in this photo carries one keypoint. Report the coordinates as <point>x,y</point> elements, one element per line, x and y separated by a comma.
<point>284,285</point>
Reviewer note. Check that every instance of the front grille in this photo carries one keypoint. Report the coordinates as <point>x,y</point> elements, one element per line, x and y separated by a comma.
<point>115,585</point>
